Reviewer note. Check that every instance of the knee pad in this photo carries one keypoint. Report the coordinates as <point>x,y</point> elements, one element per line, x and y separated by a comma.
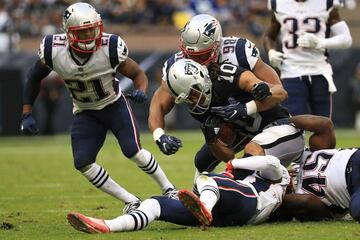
<point>82,159</point>
<point>205,161</point>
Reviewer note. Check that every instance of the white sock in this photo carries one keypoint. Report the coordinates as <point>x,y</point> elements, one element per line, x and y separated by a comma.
<point>148,211</point>
<point>146,161</point>
<point>209,191</point>
<point>100,178</point>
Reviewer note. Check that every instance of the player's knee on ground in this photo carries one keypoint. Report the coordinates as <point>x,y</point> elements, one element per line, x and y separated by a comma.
<point>254,149</point>
<point>82,160</point>
<point>355,205</point>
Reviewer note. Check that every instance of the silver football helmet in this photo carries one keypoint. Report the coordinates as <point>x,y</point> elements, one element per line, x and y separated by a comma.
<point>189,82</point>
<point>200,39</point>
<point>83,27</point>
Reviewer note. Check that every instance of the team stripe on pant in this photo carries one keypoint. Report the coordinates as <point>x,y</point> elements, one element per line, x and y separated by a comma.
<point>211,188</point>
<point>140,219</point>
<point>151,167</point>
<point>100,178</point>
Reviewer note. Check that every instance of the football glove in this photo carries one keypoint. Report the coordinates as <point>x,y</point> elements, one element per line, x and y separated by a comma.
<point>211,128</point>
<point>309,40</point>
<point>275,58</point>
<point>168,144</point>
<point>28,124</point>
<point>261,91</point>
<point>232,112</point>
<point>138,96</point>
<point>224,71</point>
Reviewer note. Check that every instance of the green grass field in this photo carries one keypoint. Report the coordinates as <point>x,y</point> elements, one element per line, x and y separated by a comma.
<point>39,186</point>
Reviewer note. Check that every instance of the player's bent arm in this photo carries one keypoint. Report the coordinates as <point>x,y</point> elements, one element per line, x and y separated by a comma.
<point>161,103</point>
<point>278,93</point>
<point>266,73</point>
<point>129,68</point>
<point>271,34</point>
<point>306,207</point>
<point>221,152</point>
<point>323,136</point>
<point>32,86</point>
<point>340,31</point>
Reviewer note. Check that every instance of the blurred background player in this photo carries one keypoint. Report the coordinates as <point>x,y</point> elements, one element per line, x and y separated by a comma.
<point>87,60</point>
<point>223,201</point>
<point>306,73</point>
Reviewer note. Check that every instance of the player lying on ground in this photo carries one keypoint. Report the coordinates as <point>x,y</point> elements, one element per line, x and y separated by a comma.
<point>223,201</point>
<point>328,181</point>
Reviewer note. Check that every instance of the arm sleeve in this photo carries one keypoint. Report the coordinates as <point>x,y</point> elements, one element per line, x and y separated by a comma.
<point>32,86</point>
<point>341,36</point>
<point>268,166</point>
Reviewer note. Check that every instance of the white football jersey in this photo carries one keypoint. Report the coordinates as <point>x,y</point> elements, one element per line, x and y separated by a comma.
<point>92,84</point>
<point>296,18</point>
<point>269,195</point>
<point>237,51</point>
<point>322,173</point>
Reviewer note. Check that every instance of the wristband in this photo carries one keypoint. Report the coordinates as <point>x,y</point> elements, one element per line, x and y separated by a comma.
<point>157,133</point>
<point>251,107</point>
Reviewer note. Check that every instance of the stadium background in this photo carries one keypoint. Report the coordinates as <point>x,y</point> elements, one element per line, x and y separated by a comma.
<point>151,31</point>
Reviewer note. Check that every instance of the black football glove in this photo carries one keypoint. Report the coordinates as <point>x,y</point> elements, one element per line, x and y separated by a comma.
<point>168,144</point>
<point>211,128</point>
<point>28,124</point>
<point>224,71</point>
<point>261,91</point>
<point>232,112</point>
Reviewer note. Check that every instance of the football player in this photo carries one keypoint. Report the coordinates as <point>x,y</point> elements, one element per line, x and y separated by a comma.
<point>328,182</point>
<point>261,125</point>
<point>202,41</point>
<point>305,27</point>
<point>87,59</point>
<point>223,201</point>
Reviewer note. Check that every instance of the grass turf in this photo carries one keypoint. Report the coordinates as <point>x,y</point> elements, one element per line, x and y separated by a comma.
<point>39,186</point>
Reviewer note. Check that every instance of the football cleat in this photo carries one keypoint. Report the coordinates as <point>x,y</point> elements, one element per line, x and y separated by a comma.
<point>171,193</point>
<point>87,224</point>
<point>196,207</point>
<point>131,206</point>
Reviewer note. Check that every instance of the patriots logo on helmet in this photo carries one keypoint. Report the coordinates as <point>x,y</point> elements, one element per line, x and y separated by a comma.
<point>67,14</point>
<point>210,30</point>
<point>190,69</point>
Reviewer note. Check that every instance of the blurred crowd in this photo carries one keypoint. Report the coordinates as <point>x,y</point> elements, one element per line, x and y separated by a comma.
<point>41,17</point>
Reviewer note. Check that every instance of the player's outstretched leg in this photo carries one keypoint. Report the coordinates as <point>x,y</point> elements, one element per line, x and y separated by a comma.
<point>147,162</point>
<point>196,207</point>
<point>87,224</point>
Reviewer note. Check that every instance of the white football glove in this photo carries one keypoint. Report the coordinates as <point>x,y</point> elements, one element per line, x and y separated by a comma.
<point>275,58</point>
<point>309,40</point>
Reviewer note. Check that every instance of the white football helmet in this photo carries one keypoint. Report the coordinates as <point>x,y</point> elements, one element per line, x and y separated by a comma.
<point>83,27</point>
<point>189,82</point>
<point>200,39</point>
